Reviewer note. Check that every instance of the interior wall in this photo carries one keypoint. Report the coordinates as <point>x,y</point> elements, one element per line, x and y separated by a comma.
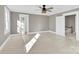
<point>14,18</point>
<point>77,25</point>
<point>52,23</point>
<point>70,21</point>
<point>38,23</point>
<point>3,36</point>
<point>60,26</point>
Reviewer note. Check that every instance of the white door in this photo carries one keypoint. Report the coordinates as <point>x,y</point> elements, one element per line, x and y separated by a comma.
<point>60,26</point>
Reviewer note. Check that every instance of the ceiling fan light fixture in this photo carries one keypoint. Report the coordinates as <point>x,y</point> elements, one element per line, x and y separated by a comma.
<point>43,11</point>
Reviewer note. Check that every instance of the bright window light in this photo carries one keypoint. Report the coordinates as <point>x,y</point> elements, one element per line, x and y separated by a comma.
<point>20,26</point>
<point>31,42</point>
<point>7,20</point>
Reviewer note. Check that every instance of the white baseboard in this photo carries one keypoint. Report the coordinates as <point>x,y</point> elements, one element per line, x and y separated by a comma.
<point>56,34</point>
<point>52,32</point>
<point>37,32</point>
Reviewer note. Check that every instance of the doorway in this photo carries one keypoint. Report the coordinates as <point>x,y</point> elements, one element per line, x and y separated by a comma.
<point>70,31</point>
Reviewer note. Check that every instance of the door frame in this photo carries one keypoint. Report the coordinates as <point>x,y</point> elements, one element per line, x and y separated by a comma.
<point>76,13</point>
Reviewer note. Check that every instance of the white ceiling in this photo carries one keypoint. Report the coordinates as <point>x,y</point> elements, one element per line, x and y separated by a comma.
<point>34,9</point>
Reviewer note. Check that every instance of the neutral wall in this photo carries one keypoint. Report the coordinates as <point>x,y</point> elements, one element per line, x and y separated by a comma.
<point>70,21</point>
<point>3,36</point>
<point>14,18</point>
<point>52,19</point>
<point>52,23</point>
<point>38,23</point>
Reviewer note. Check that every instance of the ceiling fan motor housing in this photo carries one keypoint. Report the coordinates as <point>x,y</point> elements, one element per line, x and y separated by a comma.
<point>43,9</point>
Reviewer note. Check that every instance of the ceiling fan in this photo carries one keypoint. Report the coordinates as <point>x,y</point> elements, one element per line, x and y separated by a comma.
<point>44,9</point>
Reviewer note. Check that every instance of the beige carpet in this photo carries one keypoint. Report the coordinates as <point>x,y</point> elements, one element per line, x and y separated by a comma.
<point>16,44</point>
<point>51,43</point>
<point>47,43</point>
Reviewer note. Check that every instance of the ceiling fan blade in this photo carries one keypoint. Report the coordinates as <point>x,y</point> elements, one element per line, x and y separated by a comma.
<point>40,7</point>
<point>50,8</point>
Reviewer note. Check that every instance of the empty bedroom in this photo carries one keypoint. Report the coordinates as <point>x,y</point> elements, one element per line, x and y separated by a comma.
<point>39,29</point>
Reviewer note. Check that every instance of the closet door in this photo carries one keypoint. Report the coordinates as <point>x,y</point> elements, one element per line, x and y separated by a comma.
<point>60,26</point>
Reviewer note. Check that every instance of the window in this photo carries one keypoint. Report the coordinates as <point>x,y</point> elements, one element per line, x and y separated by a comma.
<point>7,20</point>
<point>20,25</point>
<point>23,24</point>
